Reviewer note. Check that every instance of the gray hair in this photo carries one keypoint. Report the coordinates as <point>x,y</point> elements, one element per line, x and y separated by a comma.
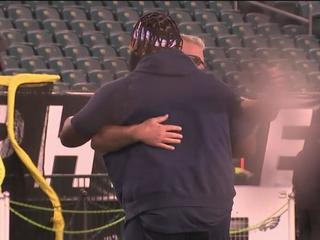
<point>194,39</point>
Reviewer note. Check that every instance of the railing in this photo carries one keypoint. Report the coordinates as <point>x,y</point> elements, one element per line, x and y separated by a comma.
<point>91,211</point>
<point>284,13</point>
<point>4,216</point>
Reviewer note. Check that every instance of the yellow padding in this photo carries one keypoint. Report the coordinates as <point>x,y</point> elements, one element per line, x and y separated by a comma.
<point>2,173</point>
<point>13,82</point>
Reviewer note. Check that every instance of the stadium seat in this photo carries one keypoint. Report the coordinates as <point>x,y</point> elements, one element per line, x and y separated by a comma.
<point>219,6</point>
<point>124,52</point>
<point>282,64</point>
<point>149,10</point>
<point>252,65</point>
<point>9,62</point>
<point>49,51</point>
<point>14,36</point>
<point>294,30</point>
<point>140,5</point>
<point>73,76</point>
<point>297,80</point>
<point>20,50</point>
<point>44,71</point>
<point>61,64</point>
<point>168,4</point>
<point>98,14</point>
<point>223,66</point>
<point>121,74</point>
<point>55,25</point>
<point>231,17</point>
<point>306,42</point>
<point>19,11</point>
<point>109,27</point>
<point>268,29</point>
<point>126,14</point>
<point>67,37</point>
<point>46,12</point>
<point>73,13</point>
<point>39,37</point>
<point>243,29</point>
<point>94,38</point>
<point>60,87</point>
<point>205,16</point>
<point>26,24</point>
<point>89,4</point>
<point>165,5</point>
<point>114,5</point>
<point>212,53</point>
<point>14,71</point>
<point>267,53</point>
<point>6,3</point>
<point>76,51</point>
<point>119,39</point>
<point>180,16</point>
<point>236,78</point>
<point>33,63</point>
<point>294,54</point>
<point>103,52</point>
<point>307,66</point>
<point>100,76</point>
<point>84,87</point>
<point>2,15</point>
<point>193,5</point>
<point>239,53</point>
<point>255,42</point>
<point>314,54</point>
<point>217,29</point>
<point>88,64</point>
<point>5,24</point>
<point>81,26</point>
<point>62,4</point>
<point>281,42</point>
<point>316,24</point>
<point>259,79</point>
<point>190,28</point>
<point>314,81</point>
<point>115,65</point>
<point>257,18</point>
<point>129,26</point>
<point>229,41</point>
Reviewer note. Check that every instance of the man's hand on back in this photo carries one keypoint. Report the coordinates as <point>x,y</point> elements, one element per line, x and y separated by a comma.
<point>154,133</point>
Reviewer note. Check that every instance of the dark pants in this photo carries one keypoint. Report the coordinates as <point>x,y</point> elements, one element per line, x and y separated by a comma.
<point>135,231</point>
<point>308,224</point>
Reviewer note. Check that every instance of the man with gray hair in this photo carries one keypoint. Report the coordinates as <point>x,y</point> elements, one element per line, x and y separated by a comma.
<point>182,194</point>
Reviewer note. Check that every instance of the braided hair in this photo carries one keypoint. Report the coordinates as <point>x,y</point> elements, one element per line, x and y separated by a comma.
<point>153,31</point>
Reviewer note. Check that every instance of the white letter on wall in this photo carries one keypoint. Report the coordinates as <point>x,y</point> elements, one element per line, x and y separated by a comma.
<point>53,148</point>
<point>276,146</point>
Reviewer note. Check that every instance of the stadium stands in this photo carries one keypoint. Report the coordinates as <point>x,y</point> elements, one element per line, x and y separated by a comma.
<point>93,37</point>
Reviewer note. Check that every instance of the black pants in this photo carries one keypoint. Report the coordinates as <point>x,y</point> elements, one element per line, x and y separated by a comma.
<point>308,224</point>
<point>133,230</point>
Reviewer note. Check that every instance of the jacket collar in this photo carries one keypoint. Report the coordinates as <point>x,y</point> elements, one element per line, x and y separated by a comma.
<point>166,62</point>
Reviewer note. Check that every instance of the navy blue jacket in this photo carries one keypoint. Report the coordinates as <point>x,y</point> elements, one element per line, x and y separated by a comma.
<point>199,172</point>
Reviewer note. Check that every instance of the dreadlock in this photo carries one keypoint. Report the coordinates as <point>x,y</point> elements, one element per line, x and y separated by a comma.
<point>153,31</point>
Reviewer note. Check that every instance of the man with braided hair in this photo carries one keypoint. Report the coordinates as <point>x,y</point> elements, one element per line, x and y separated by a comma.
<point>182,194</point>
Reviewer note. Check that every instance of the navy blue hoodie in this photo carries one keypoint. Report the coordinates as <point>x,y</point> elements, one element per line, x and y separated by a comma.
<point>199,172</point>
